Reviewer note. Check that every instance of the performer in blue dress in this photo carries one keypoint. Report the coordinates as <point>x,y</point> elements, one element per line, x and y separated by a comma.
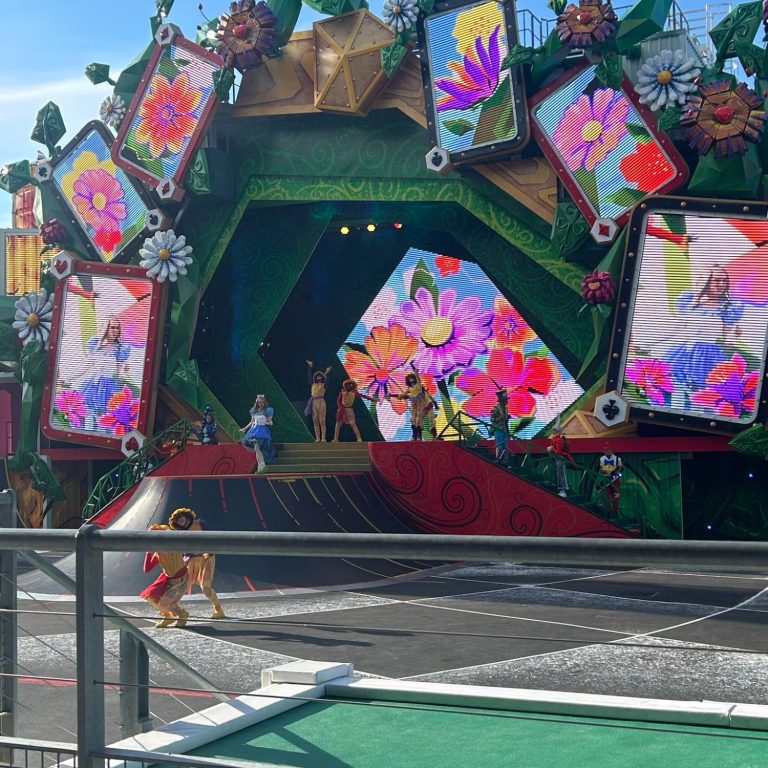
<point>107,367</point>
<point>710,322</point>
<point>258,432</point>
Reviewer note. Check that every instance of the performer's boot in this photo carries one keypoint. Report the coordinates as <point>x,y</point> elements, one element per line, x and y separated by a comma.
<point>182,620</point>
<point>419,433</point>
<point>166,621</point>
<point>414,432</point>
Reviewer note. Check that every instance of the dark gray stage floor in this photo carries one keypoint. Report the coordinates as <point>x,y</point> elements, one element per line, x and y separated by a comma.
<point>650,633</point>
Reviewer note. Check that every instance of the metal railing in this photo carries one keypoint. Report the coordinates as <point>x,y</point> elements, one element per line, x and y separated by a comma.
<point>90,542</point>
<point>150,456</point>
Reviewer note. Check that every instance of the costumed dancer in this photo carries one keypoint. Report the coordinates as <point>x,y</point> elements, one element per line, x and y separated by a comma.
<point>316,407</point>
<point>200,568</point>
<point>258,433</point>
<point>169,587</point>
<point>500,424</point>
<point>345,409</point>
<point>421,402</point>
<point>610,469</point>
<point>560,448</point>
<point>207,431</point>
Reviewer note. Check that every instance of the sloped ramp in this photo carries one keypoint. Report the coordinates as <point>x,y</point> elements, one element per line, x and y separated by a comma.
<point>344,503</point>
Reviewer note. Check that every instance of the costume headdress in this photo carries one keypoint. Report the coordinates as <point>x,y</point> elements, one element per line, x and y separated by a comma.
<point>180,512</point>
<point>350,381</point>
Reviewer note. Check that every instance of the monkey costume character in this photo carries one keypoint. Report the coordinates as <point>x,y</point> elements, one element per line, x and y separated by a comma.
<point>316,407</point>
<point>169,587</point>
<point>345,409</point>
<point>421,402</point>
<point>200,568</point>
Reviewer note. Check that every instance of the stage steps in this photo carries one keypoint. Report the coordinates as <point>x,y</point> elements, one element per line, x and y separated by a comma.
<point>299,458</point>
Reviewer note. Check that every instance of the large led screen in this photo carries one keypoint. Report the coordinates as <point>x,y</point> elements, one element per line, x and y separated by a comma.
<point>603,145</point>
<point>102,355</point>
<point>106,206</point>
<point>691,344</point>
<point>477,107</point>
<point>169,113</point>
<point>445,315</point>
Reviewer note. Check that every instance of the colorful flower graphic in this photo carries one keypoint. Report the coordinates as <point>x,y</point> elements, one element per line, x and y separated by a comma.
<point>447,265</point>
<point>652,377</point>
<point>99,199</point>
<point>666,79</point>
<point>388,352</point>
<point>165,256</point>
<point>167,116</point>
<point>508,369</point>
<point>122,413</point>
<point>399,15</point>
<point>647,167</point>
<point>71,403</point>
<point>731,391</point>
<point>450,336</point>
<point>591,127</point>
<point>476,79</point>
<point>509,328</point>
<point>32,319</point>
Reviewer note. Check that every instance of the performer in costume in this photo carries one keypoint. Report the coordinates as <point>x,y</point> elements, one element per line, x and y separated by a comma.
<point>316,407</point>
<point>421,402</point>
<point>200,568</point>
<point>709,321</point>
<point>207,430</point>
<point>500,424</point>
<point>560,448</point>
<point>258,433</point>
<point>169,587</point>
<point>610,469</point>
<point>345,409</point>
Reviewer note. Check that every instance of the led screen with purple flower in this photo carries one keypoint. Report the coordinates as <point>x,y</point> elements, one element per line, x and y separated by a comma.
<point>698,318</point>
<point>474,98</point>
<point>446,317</point>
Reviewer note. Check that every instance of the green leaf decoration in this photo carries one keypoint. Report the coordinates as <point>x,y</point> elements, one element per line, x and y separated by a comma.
<point>639,133</point>
<point>287,13</point>
<point>497,116</point>
<point>520,54</point>
<point>339,7</point>
<point>459,127</point>
<point>211,25</point>
<point>9,348</point>
<point>44,481</point>
<point>752,441</point>
<point>740,25</point>
<point>98,73</point>
<point>570,229</point>
<point>14,176</point>
<point>426,6</point>
<point>422,278</point>
<point>392,57</point>
<point>643,19</point>
<point>588,183</point>
<point>626,197</point>
<point>223,80</point>
<point>670,118</point>
<point>49,126</point>
<point>610,71</point>
<point>753,58</point>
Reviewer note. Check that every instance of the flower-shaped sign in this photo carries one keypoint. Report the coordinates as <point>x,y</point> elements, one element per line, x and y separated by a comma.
<point>33,317</point>
<point>724,117</point>
<point>666,80</point>
<point>246,34</point>
<point>400,14</point>
<point>585,24</point>
<point>165,256</point>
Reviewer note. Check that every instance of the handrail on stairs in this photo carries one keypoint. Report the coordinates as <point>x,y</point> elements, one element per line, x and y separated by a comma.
<point>154,453</point>
<point>532,463</point>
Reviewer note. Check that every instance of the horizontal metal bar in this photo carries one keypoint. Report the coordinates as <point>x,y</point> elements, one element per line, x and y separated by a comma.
<point>38,745</point>
<point>573,551</point>
<point>36,538</point>
<point>188,761</point>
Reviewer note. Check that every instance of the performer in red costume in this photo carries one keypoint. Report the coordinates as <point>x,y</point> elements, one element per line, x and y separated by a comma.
<point>168,588</point>
<point>345,409</point>
<point>560,448</point>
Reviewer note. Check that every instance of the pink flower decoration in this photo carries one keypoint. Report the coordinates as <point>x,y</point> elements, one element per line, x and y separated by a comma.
<point>520,377</point>
<point>72,404</point>
<point>598,288</point>
<point>731,389</point>
<point>652,377</point>
<point>122,413</point>
<point>509,328</point>
<point>591,127</point>
<point>450,336</point>
<point>99,199</point>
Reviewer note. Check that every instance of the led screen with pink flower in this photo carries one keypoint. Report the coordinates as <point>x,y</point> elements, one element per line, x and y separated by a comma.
<point>465,338</point>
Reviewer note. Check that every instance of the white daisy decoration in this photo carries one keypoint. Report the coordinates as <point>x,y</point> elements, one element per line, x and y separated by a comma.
<point>666,79</point>
<point>112,111</point>
<point>165,256</point>
<point>399,15</point>
<point>33,317</point>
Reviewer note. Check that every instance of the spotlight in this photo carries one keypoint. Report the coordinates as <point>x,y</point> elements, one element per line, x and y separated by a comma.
<point>371,227</point>
<point>344,230</point>
<point>398,225</point>
<point>750,475</point>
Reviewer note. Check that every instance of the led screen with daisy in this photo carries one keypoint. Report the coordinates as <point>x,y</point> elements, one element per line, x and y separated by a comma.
<point>446,316</point>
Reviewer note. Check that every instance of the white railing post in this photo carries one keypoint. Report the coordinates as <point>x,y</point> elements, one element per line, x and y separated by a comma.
<point>8,632</point>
